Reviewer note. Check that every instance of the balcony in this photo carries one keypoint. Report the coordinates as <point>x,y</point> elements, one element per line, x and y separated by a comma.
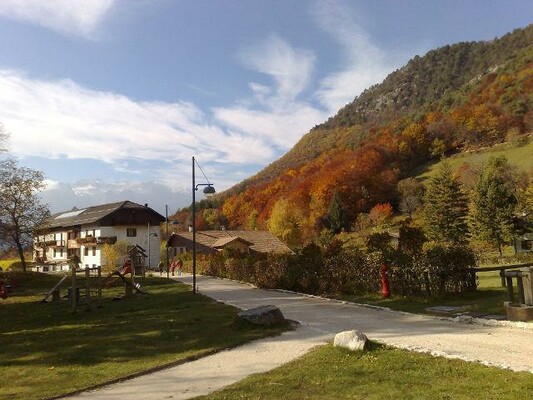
<point>86,240</point>
<point>73,244</point>
<point>51,243</point>
<point>95,240</point>
<point>106,240</point>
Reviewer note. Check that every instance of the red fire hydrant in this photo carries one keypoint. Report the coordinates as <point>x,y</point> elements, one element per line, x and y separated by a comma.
<point>385,290</point>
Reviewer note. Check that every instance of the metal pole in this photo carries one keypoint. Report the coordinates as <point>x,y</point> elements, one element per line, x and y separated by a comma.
<point>193,230</point>
<point>149,258</point>
<point>166,234</point>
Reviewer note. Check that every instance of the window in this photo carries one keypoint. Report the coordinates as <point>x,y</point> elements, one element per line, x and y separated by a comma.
<point>527,245</point>
<point>131,232</point>
<point>85,251</point>
<point>94,250</point>
<point>55,253</point>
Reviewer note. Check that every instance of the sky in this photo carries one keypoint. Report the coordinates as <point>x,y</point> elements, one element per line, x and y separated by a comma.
<point>111,99</point>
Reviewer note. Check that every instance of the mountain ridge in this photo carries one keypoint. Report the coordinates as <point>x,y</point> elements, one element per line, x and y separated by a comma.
<point>457,97</point>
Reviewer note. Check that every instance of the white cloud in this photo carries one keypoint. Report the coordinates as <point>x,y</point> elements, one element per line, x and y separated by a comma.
<point>275,114</point>
<point>290,68</point>
<point>283,127</point>
<point>56,119</point>
<point>365,64</point>
<point>66,16</point>
<point>61,119</point>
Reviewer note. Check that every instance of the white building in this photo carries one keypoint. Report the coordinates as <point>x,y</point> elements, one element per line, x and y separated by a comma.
<point>83,233</point>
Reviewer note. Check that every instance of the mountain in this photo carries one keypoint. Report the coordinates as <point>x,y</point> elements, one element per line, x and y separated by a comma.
<point>454,98</point>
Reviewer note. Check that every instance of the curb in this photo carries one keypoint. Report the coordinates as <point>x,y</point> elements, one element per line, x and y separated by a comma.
<point>460,319</point>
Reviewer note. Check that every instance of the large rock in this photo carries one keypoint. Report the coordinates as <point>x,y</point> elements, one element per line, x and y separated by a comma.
<point>353,340</point>
<point>264,315</point>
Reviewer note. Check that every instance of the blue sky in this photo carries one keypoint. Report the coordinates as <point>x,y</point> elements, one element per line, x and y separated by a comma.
<point>112,98</point>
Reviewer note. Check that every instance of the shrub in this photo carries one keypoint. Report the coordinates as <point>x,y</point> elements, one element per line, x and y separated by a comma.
<point>449,268</point>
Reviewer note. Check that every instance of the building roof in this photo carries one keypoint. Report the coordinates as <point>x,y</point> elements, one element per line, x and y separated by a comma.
<point>260,241</point>
<point>94,214</point>
<point>226,240</point>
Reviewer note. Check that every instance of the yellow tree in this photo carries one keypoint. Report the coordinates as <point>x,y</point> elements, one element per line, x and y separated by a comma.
<point>286,222</point>
<point>112,255</point>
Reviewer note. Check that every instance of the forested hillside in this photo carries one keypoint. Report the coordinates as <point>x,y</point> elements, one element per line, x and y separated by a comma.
<point>455,98</point>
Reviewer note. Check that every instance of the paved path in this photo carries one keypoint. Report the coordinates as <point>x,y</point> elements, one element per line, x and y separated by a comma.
<point>507,347</point>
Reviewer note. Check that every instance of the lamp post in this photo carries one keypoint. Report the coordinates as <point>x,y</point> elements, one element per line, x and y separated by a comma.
<point>150,234</point>
<point>166,234</point>
<point>209,191</point>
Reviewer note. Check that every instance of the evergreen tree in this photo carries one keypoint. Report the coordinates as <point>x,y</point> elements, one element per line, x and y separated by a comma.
<point>446,208</point>
<point>337,218</point>
<point>493,202</point>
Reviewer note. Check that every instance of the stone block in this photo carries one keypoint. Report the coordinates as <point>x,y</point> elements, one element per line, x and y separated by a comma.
<point>518,312</point>
<point>264,315</point>
<point>353,340</point>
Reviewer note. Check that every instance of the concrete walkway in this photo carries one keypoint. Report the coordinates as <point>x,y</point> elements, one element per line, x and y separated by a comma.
<point>506,347</point>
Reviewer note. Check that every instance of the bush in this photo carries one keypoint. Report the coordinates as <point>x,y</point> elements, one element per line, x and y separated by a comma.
<point>449,268</point>
<point>272,272</point>
<point>336,270</point>
<point>349,271</point>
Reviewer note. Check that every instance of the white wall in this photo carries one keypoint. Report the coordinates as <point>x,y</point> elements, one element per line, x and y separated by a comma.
<point>120,232</point>
<point>91,260</point>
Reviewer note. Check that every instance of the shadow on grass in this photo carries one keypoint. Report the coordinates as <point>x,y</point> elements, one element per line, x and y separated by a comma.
<point>483,301</point>
<point>169,323</point>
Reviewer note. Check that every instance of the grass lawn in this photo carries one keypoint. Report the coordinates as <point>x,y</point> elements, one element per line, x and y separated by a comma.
<point>517,155</point>
<point>380,373</point>
<point>45,350</point>
<point>488,299</point>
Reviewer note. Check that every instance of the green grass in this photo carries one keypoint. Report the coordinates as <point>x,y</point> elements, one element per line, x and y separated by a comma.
<point>380,373</point>
<point>520,156</point>
<point>45,350</point>
<point>488,299</point>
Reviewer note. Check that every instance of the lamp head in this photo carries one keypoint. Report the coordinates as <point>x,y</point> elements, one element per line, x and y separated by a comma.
<point>209,191</point>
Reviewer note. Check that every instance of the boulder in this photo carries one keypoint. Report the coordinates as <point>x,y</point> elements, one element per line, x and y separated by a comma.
<point>353,340</point>
<point>264,315</point>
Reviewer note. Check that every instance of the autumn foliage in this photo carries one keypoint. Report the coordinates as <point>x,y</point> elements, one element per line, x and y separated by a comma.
<point>362,155</point>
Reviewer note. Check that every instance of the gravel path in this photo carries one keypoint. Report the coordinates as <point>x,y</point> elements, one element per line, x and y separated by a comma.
<point>503,346</point>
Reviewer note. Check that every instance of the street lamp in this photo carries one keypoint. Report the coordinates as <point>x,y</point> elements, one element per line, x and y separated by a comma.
<point>150,235</point>
<point>209,191</point>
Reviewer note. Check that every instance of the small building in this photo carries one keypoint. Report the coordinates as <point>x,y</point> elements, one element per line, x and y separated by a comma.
<point>208,242</point>
<point>80,234</point>
<point>523,243</point>
<point>523,239</point>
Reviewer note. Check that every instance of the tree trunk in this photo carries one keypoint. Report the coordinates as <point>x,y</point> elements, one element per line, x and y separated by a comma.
<point>21,254</point>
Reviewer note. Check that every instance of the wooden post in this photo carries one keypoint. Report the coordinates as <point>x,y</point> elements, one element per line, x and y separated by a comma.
<point>502,276</point>
<point>510,295</point>
<point>87,286</point>
<point>520,288</point>
<point>99,302</point>
<point>73,300</point>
